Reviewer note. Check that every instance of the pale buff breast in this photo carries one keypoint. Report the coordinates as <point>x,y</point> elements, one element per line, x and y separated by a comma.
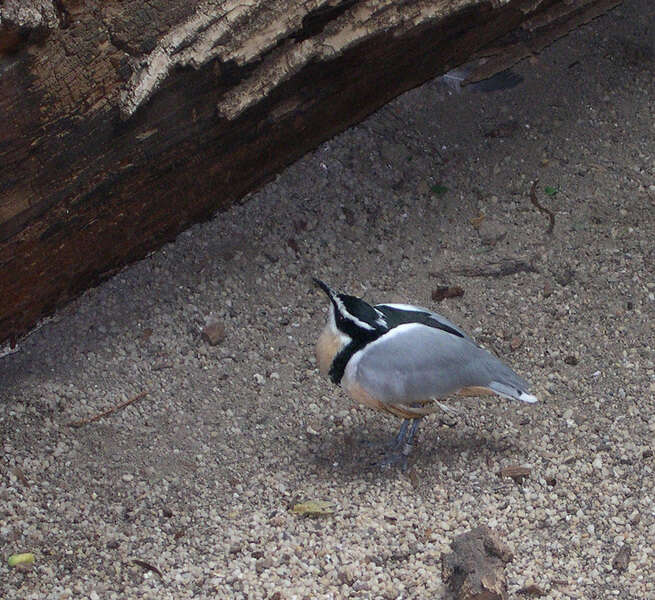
<point>328,345</point>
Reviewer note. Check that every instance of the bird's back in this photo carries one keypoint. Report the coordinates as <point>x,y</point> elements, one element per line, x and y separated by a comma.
<point>415,363</point>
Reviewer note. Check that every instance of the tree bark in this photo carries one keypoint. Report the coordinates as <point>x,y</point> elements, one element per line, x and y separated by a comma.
<point>122,123</point>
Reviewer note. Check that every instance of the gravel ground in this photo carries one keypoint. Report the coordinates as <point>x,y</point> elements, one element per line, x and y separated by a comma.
<point>196,478</point>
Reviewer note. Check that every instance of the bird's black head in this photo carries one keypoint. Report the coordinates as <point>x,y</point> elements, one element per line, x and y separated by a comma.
<point>354,317</point>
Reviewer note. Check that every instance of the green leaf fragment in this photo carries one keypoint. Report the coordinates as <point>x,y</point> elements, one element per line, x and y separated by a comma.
<point>439,189</point>
<point>551,191</point>
<point>23,559</point>
<point>314,508</point>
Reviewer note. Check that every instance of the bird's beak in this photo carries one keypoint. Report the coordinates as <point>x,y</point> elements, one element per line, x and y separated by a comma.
<point>326,288</point>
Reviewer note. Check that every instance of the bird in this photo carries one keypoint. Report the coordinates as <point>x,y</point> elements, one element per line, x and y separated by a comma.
<point>403,359</point>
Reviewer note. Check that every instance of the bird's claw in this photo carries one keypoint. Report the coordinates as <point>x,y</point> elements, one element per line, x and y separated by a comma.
<point>394,458</point>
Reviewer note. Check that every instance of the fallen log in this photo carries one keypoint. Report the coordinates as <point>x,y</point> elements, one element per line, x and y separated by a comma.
<point>122,123</point>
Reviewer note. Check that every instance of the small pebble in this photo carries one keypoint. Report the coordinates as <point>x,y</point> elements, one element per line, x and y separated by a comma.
<point>214,333</point>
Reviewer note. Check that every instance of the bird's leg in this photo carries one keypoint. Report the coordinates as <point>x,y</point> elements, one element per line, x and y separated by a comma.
<point>409,440</point>
<point>397,442</point>
<point>450,413</point>
<point>402,444</point>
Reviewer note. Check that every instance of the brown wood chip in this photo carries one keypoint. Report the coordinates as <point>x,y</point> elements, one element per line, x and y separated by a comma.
<point>515,472</point>
<point>446,291</point>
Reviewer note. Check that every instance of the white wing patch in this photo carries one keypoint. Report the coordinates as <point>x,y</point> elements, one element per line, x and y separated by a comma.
<point>381,320</point>
<point>410,307</point>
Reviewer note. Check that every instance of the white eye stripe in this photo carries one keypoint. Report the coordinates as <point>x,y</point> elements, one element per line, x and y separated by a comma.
<point>344,312</point>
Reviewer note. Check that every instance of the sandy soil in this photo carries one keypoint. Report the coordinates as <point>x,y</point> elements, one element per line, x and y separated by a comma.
<point>197,478</point>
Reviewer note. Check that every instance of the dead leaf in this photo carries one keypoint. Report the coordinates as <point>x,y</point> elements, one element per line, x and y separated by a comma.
<point>313,508</point>
<point>477,221</point>
<point>22,561</point>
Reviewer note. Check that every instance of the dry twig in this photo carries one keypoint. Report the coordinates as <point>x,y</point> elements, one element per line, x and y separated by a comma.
<point>147,566</point>
<point>502,268</point>
<point>543,209</point>
<point>109,411</point>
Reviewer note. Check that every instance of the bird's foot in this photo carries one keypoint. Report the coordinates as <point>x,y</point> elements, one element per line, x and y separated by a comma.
<point>397,456</point>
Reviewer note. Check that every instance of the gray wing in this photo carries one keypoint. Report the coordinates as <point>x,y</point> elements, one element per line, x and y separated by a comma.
<point>415,362</point>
